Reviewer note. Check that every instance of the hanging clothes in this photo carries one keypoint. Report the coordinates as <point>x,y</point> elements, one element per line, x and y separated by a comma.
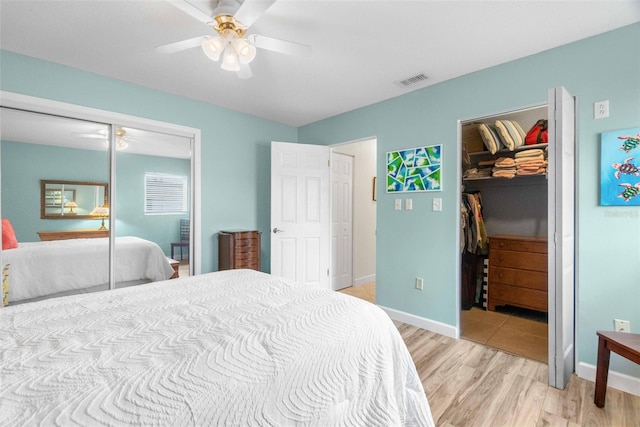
<point>473,245</point>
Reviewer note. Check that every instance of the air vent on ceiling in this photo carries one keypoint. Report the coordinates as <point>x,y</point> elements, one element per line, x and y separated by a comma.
<point>412,80</point>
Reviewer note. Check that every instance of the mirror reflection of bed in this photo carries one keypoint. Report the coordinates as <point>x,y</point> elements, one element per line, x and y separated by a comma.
<point>48,163</point>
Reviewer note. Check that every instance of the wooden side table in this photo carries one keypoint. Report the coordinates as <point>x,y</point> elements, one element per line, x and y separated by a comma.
<point>626,345</point>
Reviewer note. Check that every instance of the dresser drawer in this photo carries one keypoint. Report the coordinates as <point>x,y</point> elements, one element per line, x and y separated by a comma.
<point>524,244</point>
<point>246,237</point>
<point>522,260</point>
<point>520,278</point>
<point>500,294</point>
<point>239,249</point>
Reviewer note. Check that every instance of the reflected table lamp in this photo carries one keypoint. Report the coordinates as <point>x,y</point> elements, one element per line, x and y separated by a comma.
<point>100,212</point>
<point>71,206</point>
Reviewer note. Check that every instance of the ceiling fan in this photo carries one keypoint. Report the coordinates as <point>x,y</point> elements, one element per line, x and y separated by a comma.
<point>230,20</point>
<point>122,140</point>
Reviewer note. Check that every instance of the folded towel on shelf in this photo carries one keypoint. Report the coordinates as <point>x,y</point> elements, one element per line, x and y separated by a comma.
<point>505,162</point>
<point>504,173</point>
<point>533,162</point>
<point>534,152</point>
<point>539,171</point>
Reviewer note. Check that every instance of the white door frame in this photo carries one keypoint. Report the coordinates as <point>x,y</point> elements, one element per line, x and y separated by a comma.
<point>551,250</point>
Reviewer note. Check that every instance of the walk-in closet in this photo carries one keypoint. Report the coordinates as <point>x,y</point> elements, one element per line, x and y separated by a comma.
<point>504,227</point>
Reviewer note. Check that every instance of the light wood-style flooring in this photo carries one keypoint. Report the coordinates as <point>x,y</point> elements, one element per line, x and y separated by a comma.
<point>469,384</point>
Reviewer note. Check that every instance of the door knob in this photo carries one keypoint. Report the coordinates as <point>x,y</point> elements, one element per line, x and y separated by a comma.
<point>277,230</point>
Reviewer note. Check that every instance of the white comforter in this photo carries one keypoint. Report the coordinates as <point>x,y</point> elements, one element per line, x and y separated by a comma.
<point>237,347</point>
<point>45,268</point>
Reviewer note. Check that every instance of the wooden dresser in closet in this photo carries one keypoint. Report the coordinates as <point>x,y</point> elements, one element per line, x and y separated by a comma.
<point>518,272</point>
<point>239,249</point>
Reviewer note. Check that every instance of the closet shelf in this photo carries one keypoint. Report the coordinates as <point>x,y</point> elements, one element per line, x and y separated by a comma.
<point>516,180</point>
<point>504,151</point>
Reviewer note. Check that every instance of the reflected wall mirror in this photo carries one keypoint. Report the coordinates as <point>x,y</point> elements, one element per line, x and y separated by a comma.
<point>71,199</point>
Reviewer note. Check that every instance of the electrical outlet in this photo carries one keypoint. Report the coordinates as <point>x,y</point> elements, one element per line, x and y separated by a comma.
<point>622,325</point>
<point>419,283</point>
<point>600,109</point>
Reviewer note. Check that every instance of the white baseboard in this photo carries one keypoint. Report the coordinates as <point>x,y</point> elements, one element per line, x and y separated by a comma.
<point>366,279</point>
<point>617,380</point>
<point>422,322</point>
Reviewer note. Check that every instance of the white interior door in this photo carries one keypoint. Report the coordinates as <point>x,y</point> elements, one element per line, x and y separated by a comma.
<point>341,221</point>
<point>561,205</point>
<point>300,210</point>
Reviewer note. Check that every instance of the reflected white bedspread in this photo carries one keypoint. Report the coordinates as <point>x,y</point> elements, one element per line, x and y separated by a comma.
<point>44,268</point>
<point>237,347</point>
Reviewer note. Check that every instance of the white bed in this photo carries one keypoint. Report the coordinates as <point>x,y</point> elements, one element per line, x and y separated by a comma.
<point>59,267</point>
<point>237,347</point>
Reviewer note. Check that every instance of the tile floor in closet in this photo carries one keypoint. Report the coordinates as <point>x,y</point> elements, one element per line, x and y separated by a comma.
<point>504,331</point>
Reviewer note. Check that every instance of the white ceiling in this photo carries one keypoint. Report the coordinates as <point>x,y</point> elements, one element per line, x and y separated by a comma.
<point>34,128</point>
<point>360,48</point>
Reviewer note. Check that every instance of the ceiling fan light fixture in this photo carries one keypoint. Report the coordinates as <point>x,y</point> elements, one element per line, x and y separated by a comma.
<point>230,60</point>
<point>213,47</point>
<point>245,50</point>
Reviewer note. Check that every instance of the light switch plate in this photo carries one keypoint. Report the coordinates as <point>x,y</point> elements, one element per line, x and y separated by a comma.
<point>398,204</point>
<point>437,204</point>
<point>408,204</point>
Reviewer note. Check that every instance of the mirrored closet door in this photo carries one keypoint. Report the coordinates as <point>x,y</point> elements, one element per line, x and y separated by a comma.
<point>152,202</point>
<point>55,180</point>
<point>79,193</point>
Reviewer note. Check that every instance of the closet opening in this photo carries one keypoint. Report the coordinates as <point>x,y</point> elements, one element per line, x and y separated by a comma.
<point>504,241</point>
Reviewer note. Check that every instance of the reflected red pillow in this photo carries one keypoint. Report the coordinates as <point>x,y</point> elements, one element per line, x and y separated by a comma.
<point>9,240</point>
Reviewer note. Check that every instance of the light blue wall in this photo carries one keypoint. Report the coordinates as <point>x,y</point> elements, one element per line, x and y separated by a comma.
<point>422,243</point>
<point>131,220</point>
<point>21,183</point>
<point>231,141</point>
<point>21,189</point>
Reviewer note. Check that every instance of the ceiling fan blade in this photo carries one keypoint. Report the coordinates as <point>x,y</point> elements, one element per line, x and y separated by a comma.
<point>280,46</point>
<point>251,10</point>
<point>245,72</point>
<point>90,135</point>
<point>181,45</point>
<point>191,10</point>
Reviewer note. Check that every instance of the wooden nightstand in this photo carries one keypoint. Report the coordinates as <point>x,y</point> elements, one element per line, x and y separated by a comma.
<point>176,266</point>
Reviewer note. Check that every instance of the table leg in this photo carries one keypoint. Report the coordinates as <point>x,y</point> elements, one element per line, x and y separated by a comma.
<point>602,372</point>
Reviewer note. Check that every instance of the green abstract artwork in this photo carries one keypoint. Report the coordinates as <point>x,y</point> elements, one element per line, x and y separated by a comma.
<point>415,169</point>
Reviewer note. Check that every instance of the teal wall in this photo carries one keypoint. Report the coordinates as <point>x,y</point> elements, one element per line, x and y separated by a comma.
<point>419,242</point>
<point>21,183</point>
<point>422,243</point>
<point>21,189</point>
<point>229,140</point>
<point>131,220</point>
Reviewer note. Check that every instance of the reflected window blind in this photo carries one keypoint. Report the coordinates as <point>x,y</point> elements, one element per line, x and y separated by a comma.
<point>164,194</point>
